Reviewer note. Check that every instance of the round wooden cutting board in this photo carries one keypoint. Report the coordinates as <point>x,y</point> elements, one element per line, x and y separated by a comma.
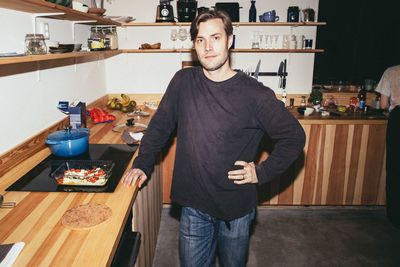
<point>86,216</point>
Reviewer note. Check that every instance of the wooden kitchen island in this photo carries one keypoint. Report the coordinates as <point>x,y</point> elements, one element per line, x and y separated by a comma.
<point>36,218</point>
<point>343,163</point>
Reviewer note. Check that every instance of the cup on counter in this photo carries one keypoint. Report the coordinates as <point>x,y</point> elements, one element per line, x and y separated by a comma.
<point>308,43</point>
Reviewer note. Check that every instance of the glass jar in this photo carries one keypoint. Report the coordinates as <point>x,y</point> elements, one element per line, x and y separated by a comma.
<point>35,45</point>
<point>111,34</point>
<point>96,41</point>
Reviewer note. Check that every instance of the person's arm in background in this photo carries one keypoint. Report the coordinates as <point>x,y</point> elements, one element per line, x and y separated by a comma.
<point>384,102</point>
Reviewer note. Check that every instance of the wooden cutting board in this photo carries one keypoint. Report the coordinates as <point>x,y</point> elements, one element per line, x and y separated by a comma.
<point>86,216</point>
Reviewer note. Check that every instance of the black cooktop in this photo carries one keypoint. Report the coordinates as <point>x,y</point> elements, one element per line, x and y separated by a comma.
<point>39,178</point>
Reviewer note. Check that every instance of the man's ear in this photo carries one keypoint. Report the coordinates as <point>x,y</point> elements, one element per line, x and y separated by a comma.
<point>230,41</point>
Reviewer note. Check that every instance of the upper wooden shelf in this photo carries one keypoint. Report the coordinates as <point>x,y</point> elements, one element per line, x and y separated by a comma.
<point>41,6</point>
<point>292,24</point>
<point>35,58</point>
<point>186,50</point>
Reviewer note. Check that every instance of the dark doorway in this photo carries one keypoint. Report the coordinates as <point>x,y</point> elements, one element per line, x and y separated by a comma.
<point>361,40</point>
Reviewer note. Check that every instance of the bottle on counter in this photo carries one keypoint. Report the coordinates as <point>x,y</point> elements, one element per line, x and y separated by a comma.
<point>284,97</point>
<point>303,101</point>
<point>362,99</point>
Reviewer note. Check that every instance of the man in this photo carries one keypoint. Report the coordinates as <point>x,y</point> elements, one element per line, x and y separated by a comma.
<point>221,116</point>
<point>389,87</point>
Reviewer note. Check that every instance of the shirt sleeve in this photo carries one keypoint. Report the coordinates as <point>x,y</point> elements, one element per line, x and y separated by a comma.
<point>280,125</point>
<point>383,86</point>
<point>159,129</point>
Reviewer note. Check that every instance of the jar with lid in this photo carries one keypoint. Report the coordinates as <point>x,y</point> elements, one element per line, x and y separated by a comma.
<point>35,45</point>
<point>112,36</point>
<point>96,41</point>
<point>303,101</point>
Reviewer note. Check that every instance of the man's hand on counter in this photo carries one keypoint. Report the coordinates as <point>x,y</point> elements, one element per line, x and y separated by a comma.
<point>132,175</point>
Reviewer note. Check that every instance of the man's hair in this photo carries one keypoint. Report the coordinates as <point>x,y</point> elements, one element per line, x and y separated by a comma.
<point>207,15</point>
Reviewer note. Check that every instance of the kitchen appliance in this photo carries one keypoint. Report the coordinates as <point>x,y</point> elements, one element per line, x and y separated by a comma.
<point>39,178</point>
<point>202,9</point>
<point>308,15</point>
<point>68,142</point>
<point>232,9</point>
<point>186,10</point>
<point>165,13</point>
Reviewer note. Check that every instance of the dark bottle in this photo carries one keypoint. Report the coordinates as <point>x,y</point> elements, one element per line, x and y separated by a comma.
<point>253,12</point>
<point>362,99</point>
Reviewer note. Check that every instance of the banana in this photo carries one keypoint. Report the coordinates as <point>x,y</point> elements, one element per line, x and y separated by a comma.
<point>125,100</point>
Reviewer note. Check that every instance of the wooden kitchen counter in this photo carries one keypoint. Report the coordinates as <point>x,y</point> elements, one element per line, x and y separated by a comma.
<point>36,218</point>
<point>342,163</point>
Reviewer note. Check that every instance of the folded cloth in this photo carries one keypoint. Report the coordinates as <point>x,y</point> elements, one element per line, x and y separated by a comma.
<point>131,138</point>
<point>9,253</point>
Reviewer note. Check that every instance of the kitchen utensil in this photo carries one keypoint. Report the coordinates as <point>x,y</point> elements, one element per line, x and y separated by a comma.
<point>6,204</point>
<point>232,9</point>
<point>69,142</point>
<point>186,10</point>
<point>280,74</point>
<point>129,124</point>
<point>138,112</point>
<point>284,74</point>
<point>165,13</point>
<point>257,71</point>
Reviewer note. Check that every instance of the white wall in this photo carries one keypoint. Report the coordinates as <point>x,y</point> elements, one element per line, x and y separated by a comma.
<point>29,99</point>
<point>141,73</point>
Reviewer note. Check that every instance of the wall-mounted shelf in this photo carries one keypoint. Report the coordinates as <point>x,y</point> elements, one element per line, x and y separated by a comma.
<point>36,58</point>
<point>232,50</point>
<point>41,6</point>
<point>292,24</point>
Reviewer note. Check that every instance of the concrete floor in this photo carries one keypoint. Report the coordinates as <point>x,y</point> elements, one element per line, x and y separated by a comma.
<point>304,237</point>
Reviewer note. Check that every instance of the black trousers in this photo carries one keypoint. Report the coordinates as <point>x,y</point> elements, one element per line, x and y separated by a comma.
<point>393,167</point>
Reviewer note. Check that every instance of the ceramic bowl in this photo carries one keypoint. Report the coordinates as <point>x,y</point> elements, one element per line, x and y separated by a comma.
<point>79,6</point>
<point>305,111</point>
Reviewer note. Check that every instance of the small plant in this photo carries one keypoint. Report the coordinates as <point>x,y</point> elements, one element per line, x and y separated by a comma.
<point>315,97</point>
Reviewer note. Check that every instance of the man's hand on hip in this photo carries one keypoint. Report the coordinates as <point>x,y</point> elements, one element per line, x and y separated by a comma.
<point>133,175</point>
<point>247,175</point>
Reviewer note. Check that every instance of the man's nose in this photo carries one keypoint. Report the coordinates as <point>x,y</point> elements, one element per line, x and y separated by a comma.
<point>208,46</point>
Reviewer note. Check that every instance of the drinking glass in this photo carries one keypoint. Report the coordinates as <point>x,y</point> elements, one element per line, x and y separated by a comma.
<point>182,34</point>
<point>174,37</point>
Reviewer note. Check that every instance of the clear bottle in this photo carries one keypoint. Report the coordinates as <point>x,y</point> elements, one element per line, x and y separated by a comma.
<point>35,45</point>
<point>303,101</point>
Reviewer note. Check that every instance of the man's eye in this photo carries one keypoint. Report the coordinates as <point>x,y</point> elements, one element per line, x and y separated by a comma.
<point>216,37</point>
<point>199,40</point>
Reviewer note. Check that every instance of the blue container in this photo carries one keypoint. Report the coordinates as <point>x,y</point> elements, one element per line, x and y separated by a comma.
<point>69,142</point>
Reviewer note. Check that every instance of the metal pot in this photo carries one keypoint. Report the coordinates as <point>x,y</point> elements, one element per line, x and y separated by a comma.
<point>69,142</point>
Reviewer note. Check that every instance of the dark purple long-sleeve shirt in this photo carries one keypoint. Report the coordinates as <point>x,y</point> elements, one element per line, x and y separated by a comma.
<point>219,123</point>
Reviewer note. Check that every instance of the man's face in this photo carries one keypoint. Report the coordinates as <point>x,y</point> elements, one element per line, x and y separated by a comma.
<point>212,44</point>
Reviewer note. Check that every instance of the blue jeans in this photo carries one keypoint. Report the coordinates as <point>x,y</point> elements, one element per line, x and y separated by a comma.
<point>200,234</point>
